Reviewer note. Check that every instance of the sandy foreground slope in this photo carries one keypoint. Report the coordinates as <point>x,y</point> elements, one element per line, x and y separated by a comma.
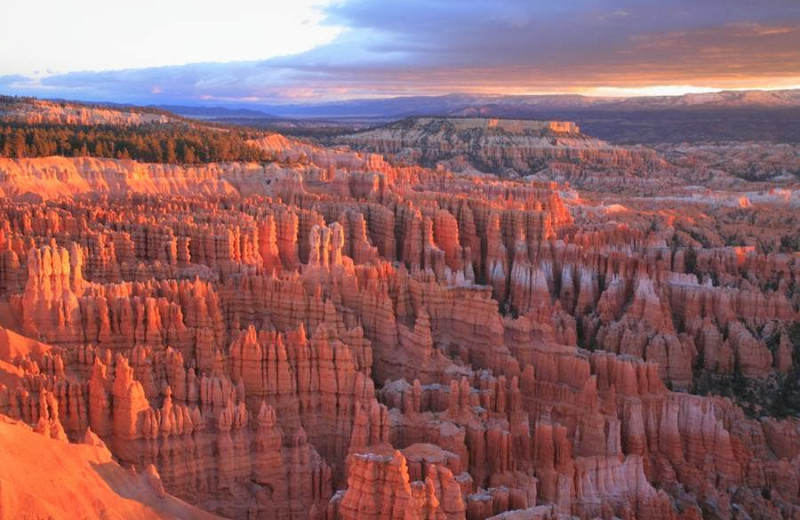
<point>45,478</point>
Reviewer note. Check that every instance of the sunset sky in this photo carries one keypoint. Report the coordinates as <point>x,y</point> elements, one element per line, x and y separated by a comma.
<point>191,52</point>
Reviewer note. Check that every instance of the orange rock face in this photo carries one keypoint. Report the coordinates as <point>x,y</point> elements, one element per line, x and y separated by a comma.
<point>335,336</point>
<point>97,486</point>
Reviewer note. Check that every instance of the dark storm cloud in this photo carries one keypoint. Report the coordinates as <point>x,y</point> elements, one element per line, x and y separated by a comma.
<point>566,39</point>
<point>435,46</point>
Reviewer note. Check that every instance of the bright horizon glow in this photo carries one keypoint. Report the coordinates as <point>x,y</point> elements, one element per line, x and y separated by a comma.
<point>674,90</point>
<point>50,37</point>
<point>657,90</point>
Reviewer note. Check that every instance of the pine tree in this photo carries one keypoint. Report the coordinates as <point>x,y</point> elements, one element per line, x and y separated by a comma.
<point>169,152</point>
<point>188,155</point>
<point>18,147</point>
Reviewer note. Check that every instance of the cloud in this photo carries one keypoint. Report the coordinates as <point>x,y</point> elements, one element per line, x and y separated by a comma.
<point>14,81</point>
<point>439,46</point>
<point>102,35</point>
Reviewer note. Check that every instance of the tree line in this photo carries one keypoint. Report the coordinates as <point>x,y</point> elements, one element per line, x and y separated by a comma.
<point>154,143</point>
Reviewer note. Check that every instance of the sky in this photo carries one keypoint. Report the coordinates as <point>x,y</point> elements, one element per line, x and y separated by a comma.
<point>269,51</point>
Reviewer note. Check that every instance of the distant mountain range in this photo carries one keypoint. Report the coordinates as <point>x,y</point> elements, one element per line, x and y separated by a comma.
<point>475,104</point>
<point>751,115</point>
<point>481,104</point>
<point>202,112</point>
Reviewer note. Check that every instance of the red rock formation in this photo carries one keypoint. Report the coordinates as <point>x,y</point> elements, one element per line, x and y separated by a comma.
<point>498,146</point>
<point>98,486</point>
<point>336,336</point>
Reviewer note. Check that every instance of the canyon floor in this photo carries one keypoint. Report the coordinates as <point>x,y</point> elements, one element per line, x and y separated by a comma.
<point>439,318</point>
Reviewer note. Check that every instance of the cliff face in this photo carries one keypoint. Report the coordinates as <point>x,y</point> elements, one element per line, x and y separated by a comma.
<point>344,337</point>
<point>58,177</point>
<point>37,111</point>
<point>506,147</point>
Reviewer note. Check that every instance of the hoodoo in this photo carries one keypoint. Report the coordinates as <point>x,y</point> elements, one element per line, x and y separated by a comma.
<point>399,330</point>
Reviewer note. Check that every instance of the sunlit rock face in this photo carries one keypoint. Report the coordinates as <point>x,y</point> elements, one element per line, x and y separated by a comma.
<point>340,335</point>
<point>38,111</point>
<point>509,148</point>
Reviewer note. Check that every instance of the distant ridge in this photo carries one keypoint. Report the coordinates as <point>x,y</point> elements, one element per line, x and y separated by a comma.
<point>505,147</point>
<point>474,104</point>
<point>753,115</point>
<point>216,112</point>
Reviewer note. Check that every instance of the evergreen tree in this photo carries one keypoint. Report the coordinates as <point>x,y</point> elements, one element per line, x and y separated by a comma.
<point>18,147</point>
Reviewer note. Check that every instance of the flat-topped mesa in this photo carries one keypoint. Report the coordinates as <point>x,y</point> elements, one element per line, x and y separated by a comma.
<point>505,147</point>
<point>514,126</point>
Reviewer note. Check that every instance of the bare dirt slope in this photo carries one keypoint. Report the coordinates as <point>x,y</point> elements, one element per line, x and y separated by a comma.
<point>45,478</point>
